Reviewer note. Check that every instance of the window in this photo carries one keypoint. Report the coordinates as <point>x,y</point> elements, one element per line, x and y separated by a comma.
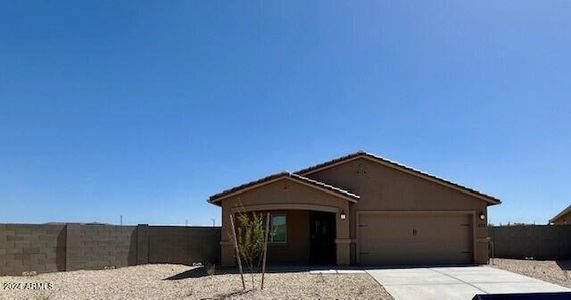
<point>278,228</point>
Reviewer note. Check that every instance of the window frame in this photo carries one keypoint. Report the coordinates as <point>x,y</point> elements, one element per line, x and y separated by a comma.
<point>270,237</point>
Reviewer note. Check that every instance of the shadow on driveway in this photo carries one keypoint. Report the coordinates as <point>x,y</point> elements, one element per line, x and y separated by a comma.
<point>400,267</point>
<point>200,271</point>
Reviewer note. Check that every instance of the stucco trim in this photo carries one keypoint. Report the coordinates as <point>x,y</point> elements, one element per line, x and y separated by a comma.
<point>380,212</point>
<point>426,212</point>
<point>388,163</point>
<point>285,206</point>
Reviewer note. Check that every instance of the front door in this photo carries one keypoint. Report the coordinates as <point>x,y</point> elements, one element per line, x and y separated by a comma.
<point>322,238</point>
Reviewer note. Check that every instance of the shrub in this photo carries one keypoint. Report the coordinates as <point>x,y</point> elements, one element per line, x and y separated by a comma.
<point>250,239</point>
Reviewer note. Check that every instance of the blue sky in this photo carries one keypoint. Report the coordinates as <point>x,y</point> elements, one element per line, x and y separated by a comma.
<point>144,109</point>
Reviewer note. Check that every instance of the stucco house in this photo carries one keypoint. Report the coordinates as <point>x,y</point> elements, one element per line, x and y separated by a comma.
<point>362,209</point>
<point>562,218</point>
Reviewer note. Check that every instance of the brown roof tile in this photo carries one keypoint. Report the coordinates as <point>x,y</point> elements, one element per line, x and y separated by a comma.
<point>315,183</point>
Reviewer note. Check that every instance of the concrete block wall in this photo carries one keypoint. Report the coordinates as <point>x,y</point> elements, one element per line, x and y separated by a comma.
<point>67,247</point>
<point>537,241</point>
<point>25,247</point>
<point>142,244</point>
<point>98,246</point>
<point>178,244</point>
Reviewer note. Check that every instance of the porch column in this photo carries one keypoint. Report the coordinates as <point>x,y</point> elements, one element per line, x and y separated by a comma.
<point>227,250</point>
<point>343,240</point>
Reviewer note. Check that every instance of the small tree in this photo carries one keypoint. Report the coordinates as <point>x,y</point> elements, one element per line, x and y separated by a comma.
<point>250,239</point>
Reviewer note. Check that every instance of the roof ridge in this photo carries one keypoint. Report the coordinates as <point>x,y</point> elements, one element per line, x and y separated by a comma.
<point>284,174</point>
<point>399,165</point>
<point>324,184</point>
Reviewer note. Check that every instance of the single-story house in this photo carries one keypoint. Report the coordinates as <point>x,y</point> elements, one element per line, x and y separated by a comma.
<point>362,209</point>
<point>562,218</point>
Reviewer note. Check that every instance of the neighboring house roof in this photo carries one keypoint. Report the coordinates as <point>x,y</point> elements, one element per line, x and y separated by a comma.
<point>386,162</point>
<point>291,176</point>
<point>561,214</point>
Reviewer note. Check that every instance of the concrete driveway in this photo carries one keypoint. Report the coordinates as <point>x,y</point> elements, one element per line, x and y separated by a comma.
<point>456,282</point>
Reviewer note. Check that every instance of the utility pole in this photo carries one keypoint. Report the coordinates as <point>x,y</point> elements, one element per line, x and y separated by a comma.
<point>121,220</point>
<point>186,222</point>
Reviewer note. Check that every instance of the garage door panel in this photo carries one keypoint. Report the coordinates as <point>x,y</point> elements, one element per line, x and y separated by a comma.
<point>415,238</point>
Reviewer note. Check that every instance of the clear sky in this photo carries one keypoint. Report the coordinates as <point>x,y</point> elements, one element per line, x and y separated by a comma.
<point>144,109</point>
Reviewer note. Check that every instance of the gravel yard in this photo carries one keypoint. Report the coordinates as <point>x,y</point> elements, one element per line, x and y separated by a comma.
<point>558,272</point>
<point>152,282</point>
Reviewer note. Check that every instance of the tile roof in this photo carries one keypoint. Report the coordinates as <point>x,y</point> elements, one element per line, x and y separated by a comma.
<point>399,166</point>
<point>285,174</point>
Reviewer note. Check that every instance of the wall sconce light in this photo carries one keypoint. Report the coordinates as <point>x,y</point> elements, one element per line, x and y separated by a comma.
<point>482,216</point>
<point>343,215</point>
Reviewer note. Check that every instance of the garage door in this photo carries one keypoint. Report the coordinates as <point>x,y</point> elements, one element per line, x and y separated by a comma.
<point>409,238</point>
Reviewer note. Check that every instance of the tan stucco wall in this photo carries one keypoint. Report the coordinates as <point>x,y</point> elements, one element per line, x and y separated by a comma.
<point>564,219</point>
<point>384,188</point>
<point>297,244</point>
<point>288,193</point>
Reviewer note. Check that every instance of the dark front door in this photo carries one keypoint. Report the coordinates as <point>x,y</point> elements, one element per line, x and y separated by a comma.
<point>322,238</point>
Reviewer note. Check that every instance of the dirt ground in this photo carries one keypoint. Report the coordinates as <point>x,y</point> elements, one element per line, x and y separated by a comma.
<point>168,281</point>
<point>558,272</point>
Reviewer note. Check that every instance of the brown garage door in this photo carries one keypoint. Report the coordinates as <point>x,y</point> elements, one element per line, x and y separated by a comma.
<point>410,238</point>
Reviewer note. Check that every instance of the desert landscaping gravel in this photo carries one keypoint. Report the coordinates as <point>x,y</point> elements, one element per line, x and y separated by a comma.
<point>152,282</point>
<point>558,272</point>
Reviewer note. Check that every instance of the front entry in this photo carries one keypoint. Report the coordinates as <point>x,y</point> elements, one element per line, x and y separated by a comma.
<point>322,238</point>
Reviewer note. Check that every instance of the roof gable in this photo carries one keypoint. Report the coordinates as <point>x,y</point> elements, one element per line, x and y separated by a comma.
<point>561,214</point>
<point>284,175</point>
<point>361,154</point>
